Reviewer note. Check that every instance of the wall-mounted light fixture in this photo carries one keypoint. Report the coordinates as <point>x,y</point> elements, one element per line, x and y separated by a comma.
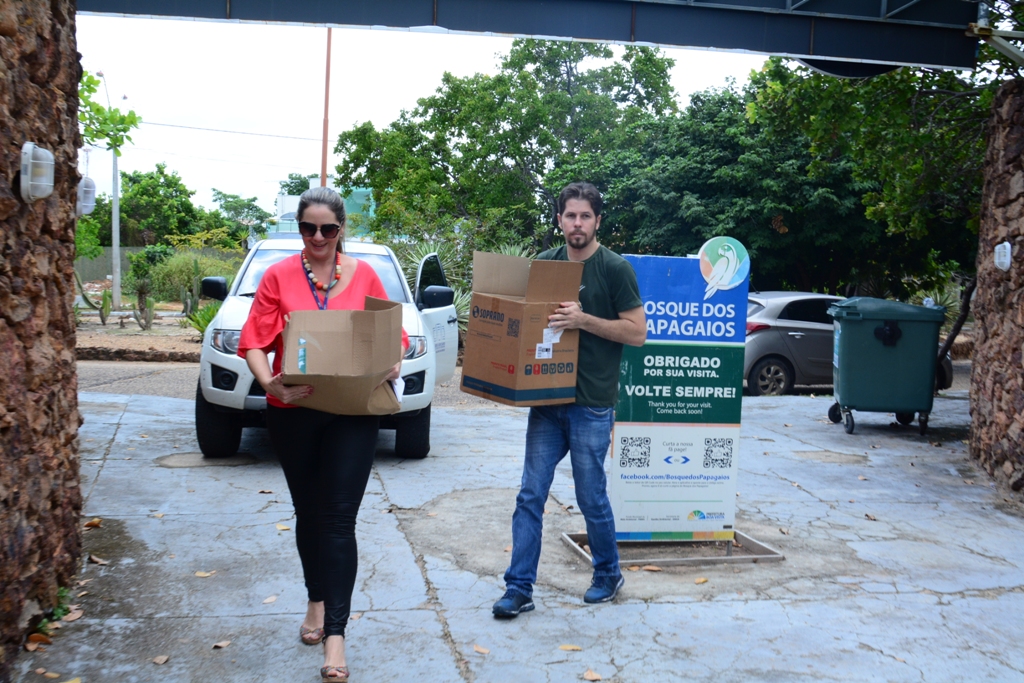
<point>36,172</point>
<point>86,197</point>
<point>1003,256</point>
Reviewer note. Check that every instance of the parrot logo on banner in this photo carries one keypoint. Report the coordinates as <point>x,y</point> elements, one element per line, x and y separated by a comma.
<point>724,263</point>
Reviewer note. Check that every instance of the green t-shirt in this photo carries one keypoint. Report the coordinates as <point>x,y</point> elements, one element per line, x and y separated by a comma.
<point>608,288</point>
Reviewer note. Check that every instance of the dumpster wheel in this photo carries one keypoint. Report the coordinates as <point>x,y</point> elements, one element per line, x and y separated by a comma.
<point>835,413</point>
<point>922,422</point>
<point>904,418</point>
<point>848,422</point>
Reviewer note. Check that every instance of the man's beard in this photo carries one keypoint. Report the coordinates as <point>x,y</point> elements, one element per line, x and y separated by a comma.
<point>580,240</point>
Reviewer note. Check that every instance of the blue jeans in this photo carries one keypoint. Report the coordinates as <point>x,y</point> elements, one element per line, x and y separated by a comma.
<point>585,433</point>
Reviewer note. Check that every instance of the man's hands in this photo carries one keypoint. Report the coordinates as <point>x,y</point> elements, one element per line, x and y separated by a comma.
<point>287,394</point>
<point>569,316</point>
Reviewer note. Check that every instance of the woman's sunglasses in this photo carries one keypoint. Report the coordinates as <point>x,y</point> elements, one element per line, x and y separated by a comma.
<point>329,231</point>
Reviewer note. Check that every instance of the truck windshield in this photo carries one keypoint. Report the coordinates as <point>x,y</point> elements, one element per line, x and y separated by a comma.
<point>385,268</point>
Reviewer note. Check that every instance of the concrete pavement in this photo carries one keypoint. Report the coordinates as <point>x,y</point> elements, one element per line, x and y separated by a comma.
<point>930,589</point>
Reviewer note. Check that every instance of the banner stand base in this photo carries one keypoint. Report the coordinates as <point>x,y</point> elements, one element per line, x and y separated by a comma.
<point>681,553</point>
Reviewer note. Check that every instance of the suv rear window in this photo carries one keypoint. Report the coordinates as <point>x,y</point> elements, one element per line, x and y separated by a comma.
<point>808,311</point>
<point>264,258</point>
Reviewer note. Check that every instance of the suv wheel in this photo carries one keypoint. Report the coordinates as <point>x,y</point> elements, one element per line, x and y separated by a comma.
<point>412,435</point>
<point>770,377</point>
<point>219,434</point>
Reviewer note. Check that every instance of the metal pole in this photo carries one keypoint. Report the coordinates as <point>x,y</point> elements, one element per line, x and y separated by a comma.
<point>327,102</point>
<point>115,239</point>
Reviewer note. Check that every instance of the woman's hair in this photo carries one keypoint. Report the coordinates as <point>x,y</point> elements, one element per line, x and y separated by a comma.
<point>324,196</point>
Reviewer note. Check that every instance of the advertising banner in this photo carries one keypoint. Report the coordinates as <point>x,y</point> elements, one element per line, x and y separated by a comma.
<point>677,421</point>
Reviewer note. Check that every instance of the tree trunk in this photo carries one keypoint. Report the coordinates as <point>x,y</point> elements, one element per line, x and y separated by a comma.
<point>965,310</point>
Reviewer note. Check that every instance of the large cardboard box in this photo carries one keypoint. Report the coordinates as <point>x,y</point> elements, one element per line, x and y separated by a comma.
<point>511,354</point>
<point>345,355</point>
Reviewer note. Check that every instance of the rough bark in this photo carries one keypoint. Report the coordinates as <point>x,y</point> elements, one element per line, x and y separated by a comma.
<point>997,379</point>
<point>40,499</point>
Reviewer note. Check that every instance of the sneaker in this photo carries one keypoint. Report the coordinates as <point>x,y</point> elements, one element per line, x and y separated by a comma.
<point>511,604</point>
<point>603,589</point>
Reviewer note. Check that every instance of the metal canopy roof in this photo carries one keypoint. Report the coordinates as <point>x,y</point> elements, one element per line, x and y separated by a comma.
<point>898,32</point>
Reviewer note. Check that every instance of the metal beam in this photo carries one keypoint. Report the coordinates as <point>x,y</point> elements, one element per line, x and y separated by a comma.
<point>925,32</point>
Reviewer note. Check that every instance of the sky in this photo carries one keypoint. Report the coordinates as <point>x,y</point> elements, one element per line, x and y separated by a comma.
<point>237,107</point>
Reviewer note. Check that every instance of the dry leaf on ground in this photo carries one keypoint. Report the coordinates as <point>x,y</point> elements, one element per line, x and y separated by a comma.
<point>94,523</point>
<point>700,580</point>
<point>871,517</point>
<point>651,568</point>
<point>570,648</point>
<point>76,679</point>
<point>221,645</point>
<point>162,659</point>
<point>783,531</point>
<point>282,527</point>
<point>264,491</point>
<point>900,659</point>
<point>40,638</point>
<point>81,594</point>
<point>97,560</point>
<point>633,568</point>
<point>143,436</point>
<point>51,674</point>
<point>481,650</point>
<point>272,598</point>
<point>158,515</point>
<point>591,675</point>
<point>786,425</point>
<point>508,549</point>
<point>862,478</point>
<point>795,484</point>
<point>40,671</point>
<point>204,575</point>
<point>73,615</point>
<point>83,582</point>
<point>431,514</point>
<point>355,616</point>
<point>31,647</point>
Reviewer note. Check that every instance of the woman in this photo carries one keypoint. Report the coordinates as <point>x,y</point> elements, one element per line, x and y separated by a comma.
<point>326,458</point>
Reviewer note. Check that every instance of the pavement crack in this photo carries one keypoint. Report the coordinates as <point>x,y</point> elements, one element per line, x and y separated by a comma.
<point>106,454</point>
<point>461,661</point>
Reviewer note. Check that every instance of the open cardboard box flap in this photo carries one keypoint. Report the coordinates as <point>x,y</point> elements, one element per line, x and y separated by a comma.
<point>518,277</point>
<point>344,356</point>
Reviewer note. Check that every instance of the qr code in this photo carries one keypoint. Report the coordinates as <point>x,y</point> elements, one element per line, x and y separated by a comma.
<point>513,327</point>
<point>717,452</point>
<point>635,451</point>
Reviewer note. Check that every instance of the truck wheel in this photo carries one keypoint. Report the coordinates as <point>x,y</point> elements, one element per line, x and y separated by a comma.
<point>412,435</point>
<point>219,434</point>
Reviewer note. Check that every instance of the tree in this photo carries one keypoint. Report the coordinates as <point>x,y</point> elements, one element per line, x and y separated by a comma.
<point>244,215</point>
<point>479,161</point>
<point>101,123</point>
<point>296,183</point>
<point>154,204</point>
<point>709,171</point>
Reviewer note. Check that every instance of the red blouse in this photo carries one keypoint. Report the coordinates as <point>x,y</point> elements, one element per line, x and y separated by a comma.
<point>283,289</point>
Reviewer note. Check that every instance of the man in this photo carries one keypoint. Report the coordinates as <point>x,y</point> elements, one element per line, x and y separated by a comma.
<point>609,313</point>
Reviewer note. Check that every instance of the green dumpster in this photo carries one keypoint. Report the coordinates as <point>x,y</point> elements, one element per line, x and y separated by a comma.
<point>884,359</point>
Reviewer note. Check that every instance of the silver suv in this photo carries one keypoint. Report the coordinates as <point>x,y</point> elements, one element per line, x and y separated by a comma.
<point>229,399</point>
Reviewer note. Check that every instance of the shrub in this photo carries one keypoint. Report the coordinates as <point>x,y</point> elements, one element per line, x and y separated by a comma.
<point>202,318</point>
<point>168,277</point>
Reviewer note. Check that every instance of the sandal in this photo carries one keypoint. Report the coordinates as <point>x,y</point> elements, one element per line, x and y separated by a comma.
<point>311,636</point>
<point>334,674</point>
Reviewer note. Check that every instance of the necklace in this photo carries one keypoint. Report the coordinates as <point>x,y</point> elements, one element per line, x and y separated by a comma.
<point>315,284</point>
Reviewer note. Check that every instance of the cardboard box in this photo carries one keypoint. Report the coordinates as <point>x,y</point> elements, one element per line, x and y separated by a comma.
<point>345,355</point>
<point>511,354</point>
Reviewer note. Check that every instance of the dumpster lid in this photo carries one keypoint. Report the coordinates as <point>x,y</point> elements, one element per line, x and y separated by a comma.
<point>867,308</point>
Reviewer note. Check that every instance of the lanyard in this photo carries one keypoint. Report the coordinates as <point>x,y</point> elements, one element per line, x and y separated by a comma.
<point>312,288</point>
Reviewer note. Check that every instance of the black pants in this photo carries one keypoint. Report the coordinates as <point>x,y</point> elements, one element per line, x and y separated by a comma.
<point>326,460</point>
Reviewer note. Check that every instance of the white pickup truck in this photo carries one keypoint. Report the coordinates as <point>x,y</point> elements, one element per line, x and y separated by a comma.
<point>229,399</point>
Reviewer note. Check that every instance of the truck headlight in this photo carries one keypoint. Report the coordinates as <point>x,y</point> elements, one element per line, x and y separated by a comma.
<point>226,341</point>
<point>417,347</point>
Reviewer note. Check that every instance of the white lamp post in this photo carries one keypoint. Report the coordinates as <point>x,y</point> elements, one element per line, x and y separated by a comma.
<point>115,222</point>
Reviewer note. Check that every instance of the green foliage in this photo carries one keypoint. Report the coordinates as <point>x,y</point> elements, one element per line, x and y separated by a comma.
<point>144,314</point>
<point>140,270</point>
<point>101,123</point>
<point>103,306</point>
<point>202,318</point>
<point>480,161</point>
<point>181,270</point>
<point>296,183</point>
<point>244,216</point>
<point>87,238</point>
